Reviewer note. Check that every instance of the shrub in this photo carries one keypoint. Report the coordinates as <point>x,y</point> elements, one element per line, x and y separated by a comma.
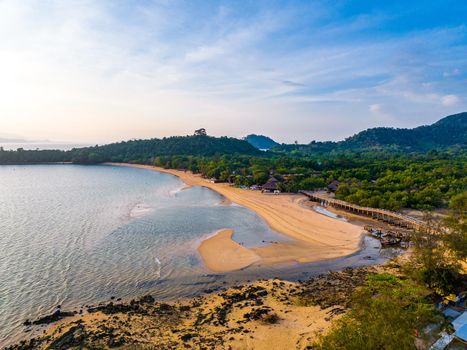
<point>386,314</point>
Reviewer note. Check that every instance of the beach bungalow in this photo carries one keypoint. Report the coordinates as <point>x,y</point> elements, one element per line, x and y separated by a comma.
<point>457,314</point>
<point>333,185</point>
<point>271,185</point>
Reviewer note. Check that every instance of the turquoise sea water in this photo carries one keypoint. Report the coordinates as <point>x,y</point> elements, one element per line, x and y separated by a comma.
<point>73,235</point>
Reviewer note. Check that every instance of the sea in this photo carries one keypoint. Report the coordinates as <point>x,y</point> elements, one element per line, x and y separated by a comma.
<point>13,146</point>
<point>76,235</point>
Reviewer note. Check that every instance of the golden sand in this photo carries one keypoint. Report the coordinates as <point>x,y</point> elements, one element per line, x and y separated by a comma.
<point>229,255</point>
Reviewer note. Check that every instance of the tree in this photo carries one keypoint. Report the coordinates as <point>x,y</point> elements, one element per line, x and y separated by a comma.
<point>456,235</point>
<point>431,263</point>
<point>200,132</point>
<point>386,314</point>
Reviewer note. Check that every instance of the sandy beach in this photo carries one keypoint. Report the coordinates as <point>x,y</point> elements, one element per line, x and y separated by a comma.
<point>315,236</point>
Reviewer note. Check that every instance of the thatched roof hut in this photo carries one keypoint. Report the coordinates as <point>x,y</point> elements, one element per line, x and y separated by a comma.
<point>271,184</point>
<point>333,185</point>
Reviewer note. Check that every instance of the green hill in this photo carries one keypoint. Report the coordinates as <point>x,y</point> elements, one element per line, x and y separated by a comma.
<point>138,151</point>
<point>450,131</point>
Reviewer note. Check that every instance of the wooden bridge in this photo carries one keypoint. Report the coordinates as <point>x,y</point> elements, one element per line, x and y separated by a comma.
<point>388,216</point>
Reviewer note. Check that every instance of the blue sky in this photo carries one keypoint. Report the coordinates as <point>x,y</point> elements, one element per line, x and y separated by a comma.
<point>100,71</point>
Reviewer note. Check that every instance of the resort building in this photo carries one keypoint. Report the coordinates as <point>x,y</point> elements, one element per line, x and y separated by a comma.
<point>333,185</point>
<point>271,185</point>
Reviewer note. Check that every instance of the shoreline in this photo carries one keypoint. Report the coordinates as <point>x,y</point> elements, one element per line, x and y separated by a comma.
<point>315,237</point>
<point>264,314</point>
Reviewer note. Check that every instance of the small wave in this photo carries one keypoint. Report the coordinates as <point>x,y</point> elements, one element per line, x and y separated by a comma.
<point>140,210</point>
<point>158,268</point>
<point>174,192</point>
<point>196,242</point>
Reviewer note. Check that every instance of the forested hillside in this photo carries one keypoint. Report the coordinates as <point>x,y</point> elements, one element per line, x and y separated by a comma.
<point>448,132</point>
<point>143,151</point>
<point>136,151</point>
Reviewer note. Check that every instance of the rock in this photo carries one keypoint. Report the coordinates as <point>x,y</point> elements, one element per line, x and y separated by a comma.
<point>57,315</point>
<point>74,337</point>
<point>187,336</point>
<point>147,299</point>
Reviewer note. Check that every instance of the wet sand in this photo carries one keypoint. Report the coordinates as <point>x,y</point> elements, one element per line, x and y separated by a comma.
<point>315,236</point>
<point>222,254</point>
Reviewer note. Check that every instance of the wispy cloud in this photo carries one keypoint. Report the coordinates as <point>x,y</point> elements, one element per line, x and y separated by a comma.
<point>101,71</point>
<point>449,100</point>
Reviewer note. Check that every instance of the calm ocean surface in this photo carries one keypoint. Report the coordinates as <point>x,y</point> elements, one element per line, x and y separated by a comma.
<point>72,235</point>
<point>35,145</point>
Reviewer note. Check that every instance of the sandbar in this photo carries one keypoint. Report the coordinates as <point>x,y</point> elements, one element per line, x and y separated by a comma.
<point>220,253</point>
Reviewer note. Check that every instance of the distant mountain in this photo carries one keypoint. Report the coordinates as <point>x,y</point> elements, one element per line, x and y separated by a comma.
<point>5,138</point>
<point>12,140</point>
<point>261,141</point>
<point>447,132</point>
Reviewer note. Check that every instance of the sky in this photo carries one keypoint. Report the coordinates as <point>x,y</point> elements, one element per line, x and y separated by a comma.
<point>103,71</point>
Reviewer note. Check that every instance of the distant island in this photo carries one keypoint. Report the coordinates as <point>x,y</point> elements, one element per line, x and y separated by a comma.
<point>14,140</point>
<point>261,142</point>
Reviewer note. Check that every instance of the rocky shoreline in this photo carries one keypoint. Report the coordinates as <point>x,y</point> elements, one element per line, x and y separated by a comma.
<point>240,317</point>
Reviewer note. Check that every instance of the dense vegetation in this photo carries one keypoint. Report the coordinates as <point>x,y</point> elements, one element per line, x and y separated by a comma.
<point>391,310</point>
<point>261,142</point>
<point>422,182</point>
<point>378,180</point>
<point>385,314</point>
<point>371,168</point>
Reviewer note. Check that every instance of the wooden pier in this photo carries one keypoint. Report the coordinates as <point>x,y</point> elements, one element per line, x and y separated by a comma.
<point>387,216</point>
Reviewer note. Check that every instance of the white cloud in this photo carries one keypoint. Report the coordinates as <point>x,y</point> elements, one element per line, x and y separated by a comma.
<point>375,108</point>
<point>452,73</point>
<point>449,100</point>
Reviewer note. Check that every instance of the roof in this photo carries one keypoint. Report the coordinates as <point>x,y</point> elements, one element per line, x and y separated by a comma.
<point>449,312</point>
<point>461,333</point>
<point>333,185</point>
<point>271,184</point>
<point>461,321</point>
